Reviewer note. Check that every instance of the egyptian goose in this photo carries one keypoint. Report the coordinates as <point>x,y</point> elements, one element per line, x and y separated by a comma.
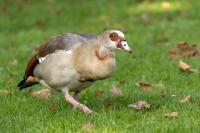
<point>72,62</point>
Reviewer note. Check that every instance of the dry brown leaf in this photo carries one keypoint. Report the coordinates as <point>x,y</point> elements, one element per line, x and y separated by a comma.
<point>184,66</point>
<point>173,54</point>
<point>43,93</point>
<point>5,92</point>
<point>193,50</point>
<point>171,114</point>
<point>98,93</point>
<point>140,105</point>
<point>186,99</point>
<point>144,86</point>
<point>88,127</point>
<point>186,50</point>
<point>183,46</point>
<point>52,107</point>
<point>116,91</point>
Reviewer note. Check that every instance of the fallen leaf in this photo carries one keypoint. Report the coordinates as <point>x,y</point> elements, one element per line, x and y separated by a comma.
<point>193,50</point>
<point>116,91</point>
<point>88,127</point>
<point>171,114</point>
<point>14,62</point>
<point>183,46</point>
<point>5,92</point>
<point>173,54</point>
<point>52,107</point>
<point>145,86</point>
<point>44,93</point>
<point>186,99</point>
<point>140,105</point>
<point>186,50</point>
<point>184,66</point>
<point>98,93</point>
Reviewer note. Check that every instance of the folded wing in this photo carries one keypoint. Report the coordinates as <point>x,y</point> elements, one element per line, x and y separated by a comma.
<point>66,42</point>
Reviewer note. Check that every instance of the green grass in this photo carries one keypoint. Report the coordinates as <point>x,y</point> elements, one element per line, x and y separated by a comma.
<point>25,24</point>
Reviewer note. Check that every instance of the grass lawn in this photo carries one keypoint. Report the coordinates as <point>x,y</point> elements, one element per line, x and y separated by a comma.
<point>152,28</point>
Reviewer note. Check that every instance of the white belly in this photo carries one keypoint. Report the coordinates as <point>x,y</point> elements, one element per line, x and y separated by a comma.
<point>73,86</point>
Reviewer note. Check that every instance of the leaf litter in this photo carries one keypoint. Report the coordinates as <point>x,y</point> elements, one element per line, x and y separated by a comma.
<point>145,86</point>
<point>116,91</point>
<point>171,115</point>
<point>14,62</point>
<point>43,93</point>
<point>6,92</point>
<point>140,105</point>
<point>186,99</point>
<point>52,107</point>
<point>184,50</point>
<point>185,67</point>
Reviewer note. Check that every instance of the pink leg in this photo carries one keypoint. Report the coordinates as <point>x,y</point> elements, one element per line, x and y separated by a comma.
<point>76,104</point>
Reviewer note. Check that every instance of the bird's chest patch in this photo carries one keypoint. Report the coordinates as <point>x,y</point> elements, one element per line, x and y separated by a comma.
<point>97,69</point>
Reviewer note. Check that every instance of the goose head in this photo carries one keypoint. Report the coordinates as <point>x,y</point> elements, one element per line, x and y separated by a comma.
<point>114,39</point>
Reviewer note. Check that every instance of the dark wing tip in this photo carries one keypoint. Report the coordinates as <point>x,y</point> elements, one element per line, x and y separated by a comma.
<point>21,84</point>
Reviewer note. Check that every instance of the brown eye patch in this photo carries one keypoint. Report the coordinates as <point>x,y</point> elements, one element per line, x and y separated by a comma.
<point>114,36</point>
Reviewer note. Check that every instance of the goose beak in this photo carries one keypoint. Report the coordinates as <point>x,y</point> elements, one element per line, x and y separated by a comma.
<point>123,45</point>
<point>130,50</point>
